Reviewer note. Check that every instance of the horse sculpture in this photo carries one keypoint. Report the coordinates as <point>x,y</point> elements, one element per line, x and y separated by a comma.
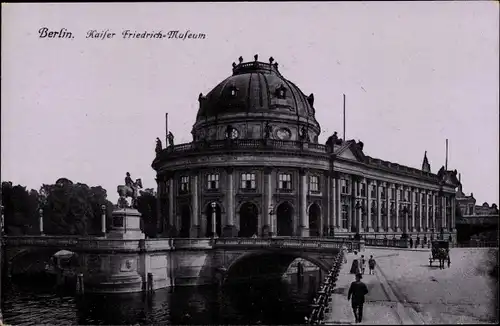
<point>129,190</point>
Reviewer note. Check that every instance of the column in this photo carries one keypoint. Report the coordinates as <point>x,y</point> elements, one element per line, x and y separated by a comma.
<point>268,218</point>
<point>369,184</point>
<point>443,212</point>
<point>388,194</point>
<point>337,203</point>
<point>352,203</point>
<point>426,196</point>
<point>412,209</point>
<point>434,210</point>
<point>195,207</point>
<point>420,195</point>
<point>359,217</point>
<point>171,221</point>
<point>332,202</point>
<point>329,196</point>
<point>453,214</point>
<point>158,204</point>
<point>396,204</point>
<point>379,206</point>
<point>229,228</point>
<point>304,218</point>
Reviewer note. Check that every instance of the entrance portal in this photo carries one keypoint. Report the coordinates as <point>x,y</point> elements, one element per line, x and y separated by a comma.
<point>249,219</point>
<point>185,222</point>
<point>314,220</point>
<point>284,215</point>
<point>213,210</point>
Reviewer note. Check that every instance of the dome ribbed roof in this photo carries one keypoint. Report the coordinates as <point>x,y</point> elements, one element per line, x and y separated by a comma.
<point>255,87</point>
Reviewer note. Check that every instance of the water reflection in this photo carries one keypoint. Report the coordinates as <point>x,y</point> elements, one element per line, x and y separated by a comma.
<point>265,302</point>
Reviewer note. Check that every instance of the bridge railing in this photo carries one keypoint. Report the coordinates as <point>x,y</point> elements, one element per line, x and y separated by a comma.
<point>396,243</point>
<point>285,242</point>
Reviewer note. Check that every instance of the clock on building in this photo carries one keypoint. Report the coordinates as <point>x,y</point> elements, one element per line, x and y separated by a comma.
<point>283,134</point>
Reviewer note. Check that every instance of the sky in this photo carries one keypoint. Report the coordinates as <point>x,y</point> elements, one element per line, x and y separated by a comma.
<point>414,74</point>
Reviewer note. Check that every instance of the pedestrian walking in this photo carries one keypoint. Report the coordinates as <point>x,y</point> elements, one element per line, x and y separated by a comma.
<point>357,292</point>
<point>411,243</point>
<point>425,241</point>
<point>355,267</point>
<point>417,242</point>
<point>362,264</point>
<point>371,265</point>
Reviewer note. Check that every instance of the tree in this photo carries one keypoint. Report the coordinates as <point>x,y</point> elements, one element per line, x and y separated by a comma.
<point>74,209</point>
<point>20,209</point>
<point>146,205</point>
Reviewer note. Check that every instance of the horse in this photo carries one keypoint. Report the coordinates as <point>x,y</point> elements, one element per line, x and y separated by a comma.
<point>442,255</point>
<point>126,191</point>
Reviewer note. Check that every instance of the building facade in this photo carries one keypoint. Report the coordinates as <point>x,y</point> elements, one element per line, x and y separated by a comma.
<point>255,167</point>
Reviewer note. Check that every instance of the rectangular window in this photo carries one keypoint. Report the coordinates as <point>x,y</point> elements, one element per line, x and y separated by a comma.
<point>314,183</point>
<point>345,209</point>
<point>184,186</point>
<point>345,186</point>
<point>363,190</point>
<point>471,210</point>
<point>213,181</point>
<point>382,192</point>
<point>393,194</point>
<point>248,181</point>
<point>373,191</point>
<point>285,181</point>
<point>401,194</point>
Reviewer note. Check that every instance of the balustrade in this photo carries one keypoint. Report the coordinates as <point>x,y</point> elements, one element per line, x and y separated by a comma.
<point>245,144</point>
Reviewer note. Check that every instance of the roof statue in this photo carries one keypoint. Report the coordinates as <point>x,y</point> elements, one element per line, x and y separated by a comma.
<point>158,148</point>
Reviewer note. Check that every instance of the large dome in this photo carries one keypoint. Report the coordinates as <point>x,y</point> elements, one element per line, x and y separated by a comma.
<point>256,91</point>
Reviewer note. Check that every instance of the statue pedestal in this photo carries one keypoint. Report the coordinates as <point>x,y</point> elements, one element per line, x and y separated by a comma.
<point>126,225</point>
<point>120,269</point>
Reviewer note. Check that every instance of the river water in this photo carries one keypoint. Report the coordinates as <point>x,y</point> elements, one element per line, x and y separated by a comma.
<point>284,301</point>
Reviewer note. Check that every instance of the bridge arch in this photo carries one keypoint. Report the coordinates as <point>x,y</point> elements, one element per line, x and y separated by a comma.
<point>267,263</point>
<point>284,218</point>
<point>248,212</point>
<point>22,261</point>
<point>314,212</point>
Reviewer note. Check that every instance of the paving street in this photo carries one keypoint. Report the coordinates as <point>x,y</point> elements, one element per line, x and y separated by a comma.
<point>406,290</point>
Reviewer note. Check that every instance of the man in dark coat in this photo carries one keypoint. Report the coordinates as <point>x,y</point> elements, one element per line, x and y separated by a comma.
<point>357,292</point>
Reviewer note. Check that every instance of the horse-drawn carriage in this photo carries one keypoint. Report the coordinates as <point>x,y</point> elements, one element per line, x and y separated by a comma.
<point>441,252</point>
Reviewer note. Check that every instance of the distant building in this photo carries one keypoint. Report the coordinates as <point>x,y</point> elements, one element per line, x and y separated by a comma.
<point>475,222</point>
<point>468,207</point>
<point>255,167</point>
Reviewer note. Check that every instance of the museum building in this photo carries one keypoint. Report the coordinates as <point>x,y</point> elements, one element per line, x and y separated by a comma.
<point>255,168</point>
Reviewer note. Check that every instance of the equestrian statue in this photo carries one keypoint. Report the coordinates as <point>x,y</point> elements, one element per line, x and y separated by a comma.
<point>130,189</point>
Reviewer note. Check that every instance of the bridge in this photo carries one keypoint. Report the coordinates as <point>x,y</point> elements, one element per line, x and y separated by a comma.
<point>134,265</point>
<point>471,225</point>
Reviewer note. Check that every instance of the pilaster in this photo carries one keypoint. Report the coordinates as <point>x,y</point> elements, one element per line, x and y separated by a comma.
<point>369,184</point>
<point>379,206</point>
<point>195,206</point>
<point>412,228</point>
<point>396,210</point>
<point>229,229</point>
<point>304,218</point>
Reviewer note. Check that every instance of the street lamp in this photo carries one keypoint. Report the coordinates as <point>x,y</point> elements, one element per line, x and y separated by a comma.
<point>271,220</point>
<point>214,217</point>
<point>40,211</point>
<point>103,220</point>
